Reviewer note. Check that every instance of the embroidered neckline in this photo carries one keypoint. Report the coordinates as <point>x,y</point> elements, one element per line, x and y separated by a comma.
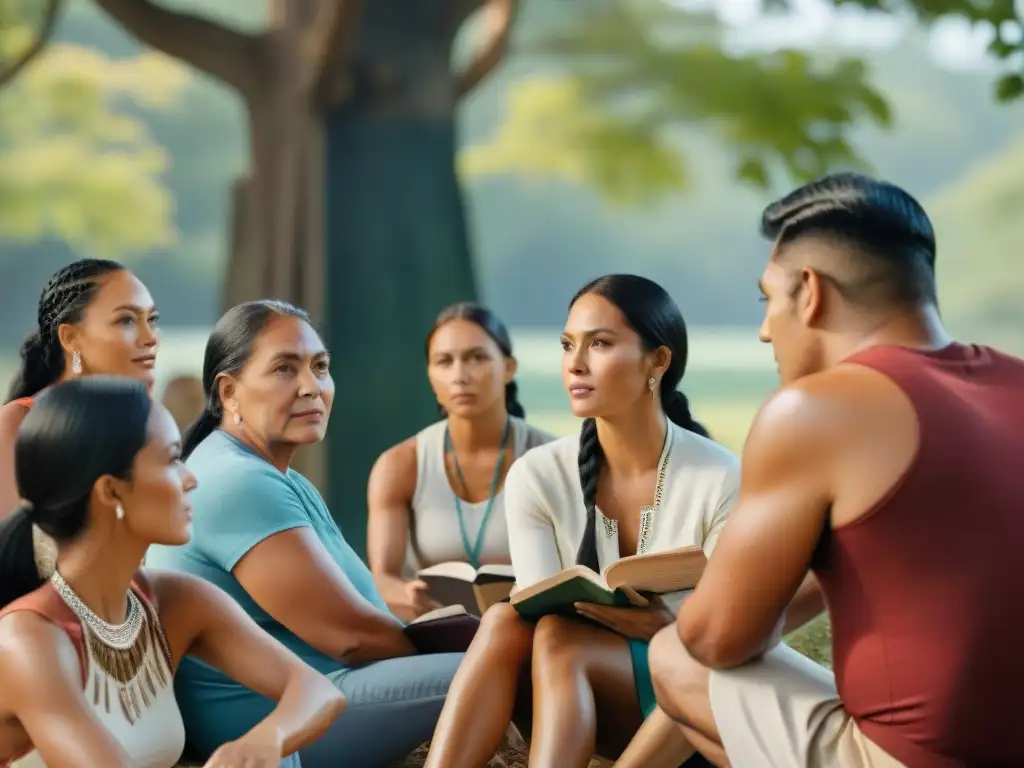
<point>647,512</point>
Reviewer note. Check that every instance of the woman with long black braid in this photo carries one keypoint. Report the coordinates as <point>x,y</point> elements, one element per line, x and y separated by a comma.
<point>642,476</point>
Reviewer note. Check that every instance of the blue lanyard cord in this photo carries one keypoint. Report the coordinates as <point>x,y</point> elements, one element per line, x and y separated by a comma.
<point>473,553</point>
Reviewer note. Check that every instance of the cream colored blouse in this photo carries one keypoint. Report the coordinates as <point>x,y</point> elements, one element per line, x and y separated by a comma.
<point>546,515</point>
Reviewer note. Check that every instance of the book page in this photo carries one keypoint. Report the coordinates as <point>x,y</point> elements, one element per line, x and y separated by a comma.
<point>451,570</point>
<point>439,613</point>
<point>658,572</point>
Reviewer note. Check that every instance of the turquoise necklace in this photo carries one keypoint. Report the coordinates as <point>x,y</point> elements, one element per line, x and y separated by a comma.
<point>473,553</point>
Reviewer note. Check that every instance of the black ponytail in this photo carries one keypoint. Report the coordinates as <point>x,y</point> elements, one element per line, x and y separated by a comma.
<point>18,572</point>
<point>63,300</point>
<point>493,327</point>
<point>512,404</point>
<point>78,431</point>
<point>200,429</point>
<point>41,365</point>
<point>651,313</point>
<point>677,409</point>
<point>227,351</point>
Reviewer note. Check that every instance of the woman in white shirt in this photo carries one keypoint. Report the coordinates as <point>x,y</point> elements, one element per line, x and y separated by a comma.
<point>642,476</point>
<point>438,496</point>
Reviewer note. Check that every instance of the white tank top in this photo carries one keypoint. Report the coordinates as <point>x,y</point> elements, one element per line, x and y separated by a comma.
<point>435,523</point>
<point>155,738</point>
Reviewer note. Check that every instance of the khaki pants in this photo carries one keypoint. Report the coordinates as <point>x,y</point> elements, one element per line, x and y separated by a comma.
<point>783,711</point>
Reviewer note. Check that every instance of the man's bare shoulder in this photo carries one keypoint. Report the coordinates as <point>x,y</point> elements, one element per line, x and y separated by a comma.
<point>829,408</point>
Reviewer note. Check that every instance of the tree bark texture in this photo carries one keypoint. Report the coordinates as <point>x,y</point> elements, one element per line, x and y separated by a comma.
<point>351,208</point>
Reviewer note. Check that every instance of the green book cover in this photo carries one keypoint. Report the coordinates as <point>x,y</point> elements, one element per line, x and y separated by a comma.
<point>560,598</point>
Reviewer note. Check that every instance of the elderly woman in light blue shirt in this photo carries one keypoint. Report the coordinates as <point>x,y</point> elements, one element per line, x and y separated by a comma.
<point>264,535</point>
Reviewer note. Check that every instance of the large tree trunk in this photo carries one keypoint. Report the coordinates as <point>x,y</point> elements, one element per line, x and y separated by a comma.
<point>397,245</point>
<point>277,232</point>
<point>352,129</point>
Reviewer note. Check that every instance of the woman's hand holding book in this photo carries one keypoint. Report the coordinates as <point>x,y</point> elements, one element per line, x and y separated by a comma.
<point>638,623</point>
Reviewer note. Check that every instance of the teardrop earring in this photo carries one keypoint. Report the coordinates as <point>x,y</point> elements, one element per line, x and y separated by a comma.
<point>238,419</point>
<point>76,362</point>
<point>650,384</point>
<point>119,512</point>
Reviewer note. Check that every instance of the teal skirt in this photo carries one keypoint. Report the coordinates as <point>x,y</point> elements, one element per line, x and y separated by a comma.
<point>642,677</point>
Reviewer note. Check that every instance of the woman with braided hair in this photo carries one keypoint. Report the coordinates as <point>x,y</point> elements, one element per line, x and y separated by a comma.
<point>94,316</point>
<point>438,496</point>
<point>641,477</point>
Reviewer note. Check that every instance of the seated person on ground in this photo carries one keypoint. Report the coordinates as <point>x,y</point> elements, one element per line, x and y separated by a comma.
<point>438,496</point>
<point>640,477</point>
<point>264,535</point>
<point>87,656</point>
<point>889,465</point>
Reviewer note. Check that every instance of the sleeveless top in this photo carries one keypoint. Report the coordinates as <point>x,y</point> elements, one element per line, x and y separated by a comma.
<point>141,714</point>
<point>924,591</point>
<point>434,525</point>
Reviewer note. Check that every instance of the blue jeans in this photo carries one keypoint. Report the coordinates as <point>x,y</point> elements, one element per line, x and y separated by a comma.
<point>393,706</point>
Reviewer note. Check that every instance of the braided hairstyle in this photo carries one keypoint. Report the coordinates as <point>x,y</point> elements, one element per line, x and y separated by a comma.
<point>228,349</point>
<point>656,319</point>
<point>493,327</point>
<point>64,300</point>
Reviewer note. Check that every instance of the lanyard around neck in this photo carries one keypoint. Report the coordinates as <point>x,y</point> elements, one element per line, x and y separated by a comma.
<point>473,552</point>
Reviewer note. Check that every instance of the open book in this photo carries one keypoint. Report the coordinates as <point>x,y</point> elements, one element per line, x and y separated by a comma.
<point>624,582</point>
<point>446,630</point>
<point>461,584</point>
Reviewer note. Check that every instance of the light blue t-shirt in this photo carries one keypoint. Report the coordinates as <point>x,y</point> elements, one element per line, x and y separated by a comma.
<point>240,500</point>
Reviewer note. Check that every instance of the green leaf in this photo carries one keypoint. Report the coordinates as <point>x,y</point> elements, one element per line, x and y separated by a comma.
<point>1009,87</point>
<point>641,74</point>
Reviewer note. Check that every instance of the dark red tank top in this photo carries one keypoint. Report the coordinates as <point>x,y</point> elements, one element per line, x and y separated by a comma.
<point>926,592</point>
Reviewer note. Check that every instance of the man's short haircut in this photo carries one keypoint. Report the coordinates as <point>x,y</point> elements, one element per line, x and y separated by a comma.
<point>883,227</point>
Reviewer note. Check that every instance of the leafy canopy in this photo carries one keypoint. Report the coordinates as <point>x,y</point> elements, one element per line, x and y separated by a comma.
<point>77,161</point>
<point>635,75</point>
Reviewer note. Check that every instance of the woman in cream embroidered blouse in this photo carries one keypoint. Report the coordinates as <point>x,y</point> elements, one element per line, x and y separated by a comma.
<point>641,476</point>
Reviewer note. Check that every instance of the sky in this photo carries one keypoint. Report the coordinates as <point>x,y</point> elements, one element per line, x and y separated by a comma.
<point>954,43</point>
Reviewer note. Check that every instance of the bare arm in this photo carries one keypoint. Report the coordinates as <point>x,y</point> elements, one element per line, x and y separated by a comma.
<point>220,633</point>
<point>293,578</point>
<point>226,54</point>
<point>806,605</point>
<point>764,552</point>
<point>41,685</point>
<point>389,500</point>
<point>11,416</point>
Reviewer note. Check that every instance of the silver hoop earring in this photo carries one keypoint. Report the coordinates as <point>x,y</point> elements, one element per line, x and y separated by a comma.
<point>76,362</point>
<point>119,512</point>
<point>238,419</point>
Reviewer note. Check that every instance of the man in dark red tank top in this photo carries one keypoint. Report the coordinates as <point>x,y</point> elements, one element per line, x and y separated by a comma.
<point>887,473</point>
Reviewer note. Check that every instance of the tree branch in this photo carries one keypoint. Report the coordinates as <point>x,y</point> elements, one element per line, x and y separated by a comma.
<point>499,18</point>
<point>226,54</point>
<point>45,33</point>
<point>333,36</point>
